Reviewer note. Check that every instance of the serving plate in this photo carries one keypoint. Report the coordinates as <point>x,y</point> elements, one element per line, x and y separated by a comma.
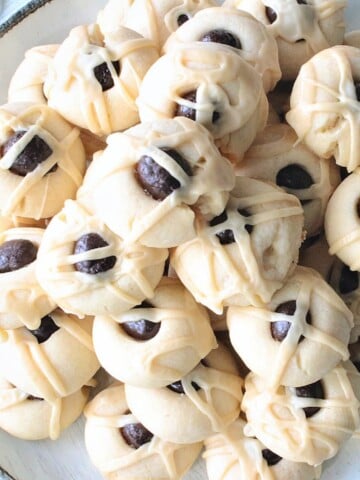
<point>48,21</point>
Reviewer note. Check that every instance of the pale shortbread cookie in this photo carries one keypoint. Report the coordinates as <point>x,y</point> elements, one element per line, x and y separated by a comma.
<point>157,342</point>
<point>53,361</point>
<point>325,109</point>
<point>314,253</point>
<point>93,80</point>
<point>203,402</point>
<point>278,419</point>
<point>31,418</point>
<point>245,254</point>
<point>244,35</point>
<point>301,28</point>
<point>342,221</point>
<point>231,455</point>
<point>109,428</point>
<point>89,270</point>
<point>209,84</point>
<point>154,19</point>
<point>22,301</point>
<point>175,153</point>
<point>277,156</point>
<point>50,155</point>
<point>304,330</point>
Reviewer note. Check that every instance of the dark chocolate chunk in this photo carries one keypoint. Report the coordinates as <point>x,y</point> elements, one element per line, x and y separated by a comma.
<point>270,14</point>
<point>349,281</point>
<point>87,242</point>
<point>103,75</point>
<point>35,152</point>
<point>141,329</point>
<point>270,457</point>
<point>136,435</point>
<point>182,19</point>
<point>225,236</point>
<point>144,304</point>
<point>314,390</point>
<point>280,329</point>
<point>183,110</point>
<point>245,213</point>
<point>357,90</point>
<point>46,329</point>
<point>294,177</point>
<point>16,254</point>
<point>221,36</point>
<point>177,386</point>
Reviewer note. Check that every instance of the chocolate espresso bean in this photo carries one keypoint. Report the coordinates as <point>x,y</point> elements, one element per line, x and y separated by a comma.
<point>294,177</point>
<point>314,390</point>
<point>103,75</point>
<point>182,19</point>
<point>88,242</point>
<point>141,329</point>
<point>349,281</point>
<point>226,236</point>
<point>46,329</point>
<point>221,36</point>
<point>16,254</point>
<point>189,112</point>
<point>270,457</point>
<point>270,14</point>
<point>136,435</point>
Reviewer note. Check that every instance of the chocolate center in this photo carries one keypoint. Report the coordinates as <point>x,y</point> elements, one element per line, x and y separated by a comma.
<point>189,112</point>
<point>46,329</point>
<point>177,386</point>
<point>103,75</point>
<point>225,236</point>
<point>294,177</point>
<point>91,241</point>
<point>182,19</point>
<point>136,435</point>
<point>246,213</point>
<point>155,180</point>
<point>349,281</point>
<point>221,36</point>
<point>141,329</point>
<point>314,390</point>
<point>280,329</point>
<point>34,153</point>
<point>270,457</point>
<point>270,14</point>
<point>16,254</point>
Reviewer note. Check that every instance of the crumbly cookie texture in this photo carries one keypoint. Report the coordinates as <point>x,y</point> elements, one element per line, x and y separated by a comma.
<point>204,401</point>
<point>309,424</point>
<point>121,448</point>
<point>277,156</point>
<point>300,28</point>
<point>31,418</point>
<point>304,331</point>
<point>244,255</point>
<point>154,19</point>
<point>325,108</point>
<point>93,79</point>
<point>244,35</point>
<point>166,170</point>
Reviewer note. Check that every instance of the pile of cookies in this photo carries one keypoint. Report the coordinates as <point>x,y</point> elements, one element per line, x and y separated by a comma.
<point>167,174</point>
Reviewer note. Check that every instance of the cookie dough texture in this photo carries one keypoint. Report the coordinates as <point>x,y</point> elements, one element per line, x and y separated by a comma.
<point>75,92</point>
<point>115,459</point>
<point>300,29</point>
<point>266,225</point>
<point>324,107</point>
<point>135,274</point>
<point>40,193</point>
<point>112,191</point>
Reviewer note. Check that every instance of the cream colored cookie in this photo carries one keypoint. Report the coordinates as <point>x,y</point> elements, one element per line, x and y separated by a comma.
<point>277,417</point>
<point>244,255</point>
<point>230,455</point>
<point>88,270</point>
<point>124,184</point>
<point>324,106</point>
<point>277,156</point>
<point>301,28</point>
<point>53,361</point>
<point>158,343</point>
<point>212,85</point>
<point>42,160</point>
<point>31,418</point>
<point>245,35</point>
<point>154,19</point>
<point>304,331</point>
<point>122,448</point>
<point>93,80</point>
<point>203,402</point>
<point>314,253</point>
<point>22,299</point>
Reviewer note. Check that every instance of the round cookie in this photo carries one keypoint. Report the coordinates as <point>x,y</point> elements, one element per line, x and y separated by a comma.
<point>304,330</point>
<point>325,108</point>
<point>81,260</point>
<point>157,342</point>
<point>151,180</point>
<point>241,32</point>
<point>308,424</point>
<point>93,80</point>
<point>122,448</point>
<point>203,402</point>
<point>54,360</point>
<point>42,161</point>
<point>230,455</point>
<point>278,157</point>
<point>300,27</point>
<point>31,418</point>
<point>22,299</point>
<point>244,255</point>
<point>154,19</point>
<point>208,83</point>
